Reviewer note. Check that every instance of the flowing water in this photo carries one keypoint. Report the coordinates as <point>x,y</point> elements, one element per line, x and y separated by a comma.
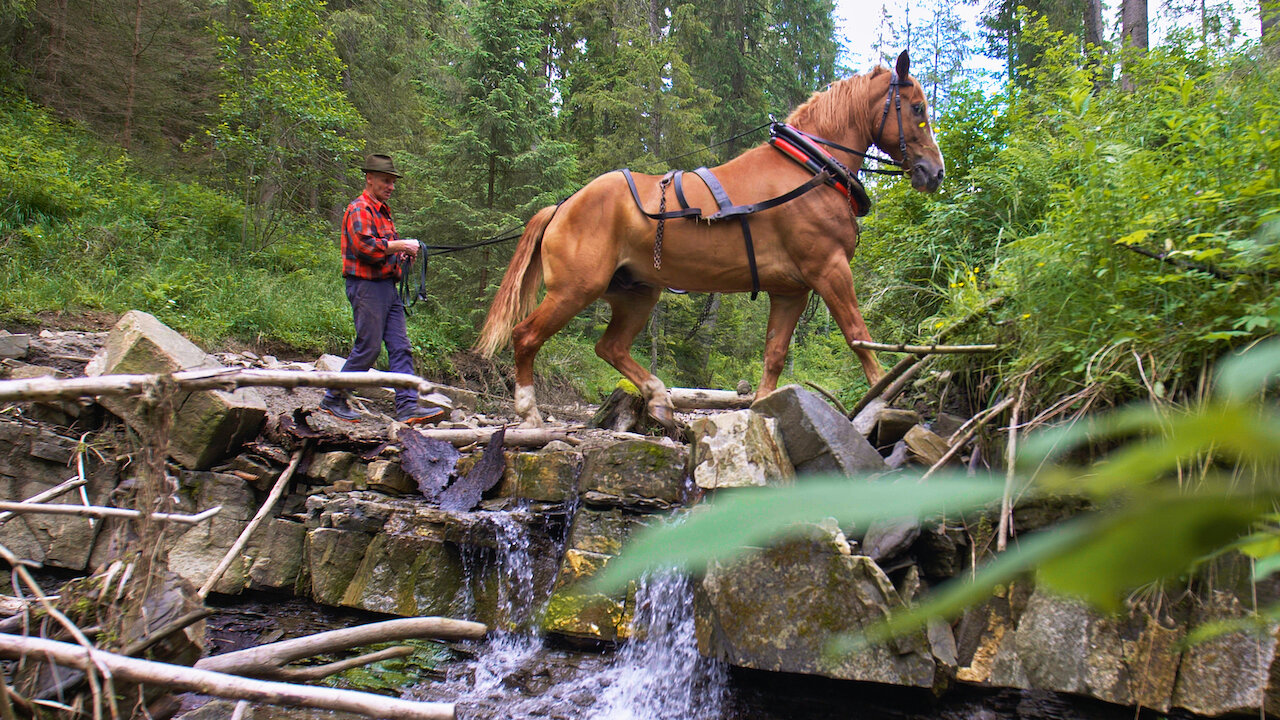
<point>659,675</point>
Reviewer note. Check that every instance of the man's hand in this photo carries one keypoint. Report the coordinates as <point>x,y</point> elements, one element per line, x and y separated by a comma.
<point>408,247</point>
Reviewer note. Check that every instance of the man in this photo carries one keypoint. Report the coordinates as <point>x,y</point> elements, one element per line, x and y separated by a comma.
<point>371,255</point>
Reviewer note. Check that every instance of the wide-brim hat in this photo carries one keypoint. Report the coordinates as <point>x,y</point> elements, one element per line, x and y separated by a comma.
<point>380,163</point>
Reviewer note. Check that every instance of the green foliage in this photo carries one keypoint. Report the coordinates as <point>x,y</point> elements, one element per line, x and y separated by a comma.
<point>283,121</point>
<point>1052,190</point>
<point>1150,524</point>
<point>390,677</point>
<point>81,229</point>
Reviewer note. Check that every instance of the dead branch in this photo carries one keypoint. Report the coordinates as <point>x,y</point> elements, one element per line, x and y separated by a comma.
<point>269,660</point>
<point>220,685</point>
<point>309,674</point>
<point>1006,501</point>
<point>1183,262</point>
<point>967,431</point>
<point>99,511</point>
<point>272,498</point>
<point>521,437</point>
<point>830,396</point>
<point>924,349</point>
<point>53,492</point>
<point>906,363</point>
<point>203,379</point>
<point>704,399</point>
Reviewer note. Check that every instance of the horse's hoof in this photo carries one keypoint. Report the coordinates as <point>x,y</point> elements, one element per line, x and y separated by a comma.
<point>665,416</point>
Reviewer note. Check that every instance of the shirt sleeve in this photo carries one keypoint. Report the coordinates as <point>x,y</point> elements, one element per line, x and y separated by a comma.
<point>364,241</point>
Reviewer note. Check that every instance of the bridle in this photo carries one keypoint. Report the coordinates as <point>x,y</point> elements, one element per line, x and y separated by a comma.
<point>895,98</point>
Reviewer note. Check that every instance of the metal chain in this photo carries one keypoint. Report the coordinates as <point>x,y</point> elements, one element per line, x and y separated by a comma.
<point>662,222</point>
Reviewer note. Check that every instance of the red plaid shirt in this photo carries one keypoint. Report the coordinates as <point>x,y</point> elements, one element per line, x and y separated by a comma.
<point>366,229</point>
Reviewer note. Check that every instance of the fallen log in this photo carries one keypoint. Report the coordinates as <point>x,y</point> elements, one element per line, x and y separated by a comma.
<point>218,684</point>
<point>98,511</point>
<point>704,399</point>
<point>270,660</point>
<point>521,437</point>
<point>203,379</point>
<point>923,349</point>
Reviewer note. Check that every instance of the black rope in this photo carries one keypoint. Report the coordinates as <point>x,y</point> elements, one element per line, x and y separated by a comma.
<point>405,286</point>
<point>666,162</point>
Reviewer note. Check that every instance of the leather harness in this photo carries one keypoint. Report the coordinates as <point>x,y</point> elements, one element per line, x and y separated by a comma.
<point>796,144</point>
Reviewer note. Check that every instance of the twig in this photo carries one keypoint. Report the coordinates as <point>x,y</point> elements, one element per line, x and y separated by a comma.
<point>967,431</point>
<point>203,379</point>
<point>274,496</point>
<point>266,660</point>
<point>53,492</point>
<point>828,395</point>
<point>308,674</point>
<point>923,349</point>
<point>220,685</point>
<point>906,363</point>
<point>99,511</point>
<point>242,708</point>
<point>1002,532</point>
<point>1183,262</point>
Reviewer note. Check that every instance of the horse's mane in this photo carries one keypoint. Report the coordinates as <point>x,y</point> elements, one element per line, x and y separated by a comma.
<point>829,110</point>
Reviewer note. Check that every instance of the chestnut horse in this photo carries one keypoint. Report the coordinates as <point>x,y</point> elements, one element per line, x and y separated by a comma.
<point>598,244</point>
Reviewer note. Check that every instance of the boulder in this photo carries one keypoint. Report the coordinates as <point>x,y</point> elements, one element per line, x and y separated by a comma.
<point>387,476</point>
<point>633,472</point>
<point>892,425</point>
<point>14,346</point>
<point>1063,646</point>
<point>408,575</point>
<point>198,551</point>
<point>329,467</point>
<point>548,476</point>
<point>738,449</point>
<point>926,447</point>
<point>207,425</point>
<point>275,555</point>
<point>332,558</point>
<point>817,437</point>
<point>34,459</point>
<point>202,490</point>
<point>1234,672</point>
<point>777,610</point>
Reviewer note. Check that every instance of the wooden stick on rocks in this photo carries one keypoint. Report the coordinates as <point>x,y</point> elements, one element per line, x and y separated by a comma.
<point>218,684</point>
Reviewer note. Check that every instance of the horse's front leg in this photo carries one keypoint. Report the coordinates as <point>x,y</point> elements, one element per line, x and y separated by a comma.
<point>784,312</point>
<point>835,287</point>
<point>631,310</point>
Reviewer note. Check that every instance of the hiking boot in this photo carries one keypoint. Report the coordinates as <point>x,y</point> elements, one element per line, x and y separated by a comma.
<point>419,416</point>
<point>340,410</point>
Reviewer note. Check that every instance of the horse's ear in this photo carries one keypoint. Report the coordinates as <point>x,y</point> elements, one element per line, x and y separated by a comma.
<point>904,65</point>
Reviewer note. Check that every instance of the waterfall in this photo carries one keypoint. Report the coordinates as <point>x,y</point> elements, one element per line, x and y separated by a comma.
<point>658,675</point>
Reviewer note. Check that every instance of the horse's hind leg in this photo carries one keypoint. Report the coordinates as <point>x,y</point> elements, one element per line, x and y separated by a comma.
<point>784,313</point>
<point>552,314</point>
<point>631,309</point>
<point>835,286</point>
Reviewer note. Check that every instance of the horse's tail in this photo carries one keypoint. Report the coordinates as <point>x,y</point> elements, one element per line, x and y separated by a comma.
<point>518,292</point>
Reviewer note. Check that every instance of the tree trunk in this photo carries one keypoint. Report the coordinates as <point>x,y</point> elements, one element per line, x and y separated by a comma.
<point>132,83</point>
<point>1269,12</point>
<point>1093,22</point>
<point>1133,34</point>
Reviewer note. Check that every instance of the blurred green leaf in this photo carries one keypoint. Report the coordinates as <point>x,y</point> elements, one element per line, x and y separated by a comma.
<point>730,524</point>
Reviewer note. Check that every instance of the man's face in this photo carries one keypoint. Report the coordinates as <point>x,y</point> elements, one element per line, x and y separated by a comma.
<point>380,185</point>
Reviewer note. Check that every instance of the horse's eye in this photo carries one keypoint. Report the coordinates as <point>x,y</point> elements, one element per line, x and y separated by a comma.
<point>918,108</point>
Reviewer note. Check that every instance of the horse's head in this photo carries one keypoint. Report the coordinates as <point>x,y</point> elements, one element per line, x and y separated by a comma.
<point>903,131</point>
